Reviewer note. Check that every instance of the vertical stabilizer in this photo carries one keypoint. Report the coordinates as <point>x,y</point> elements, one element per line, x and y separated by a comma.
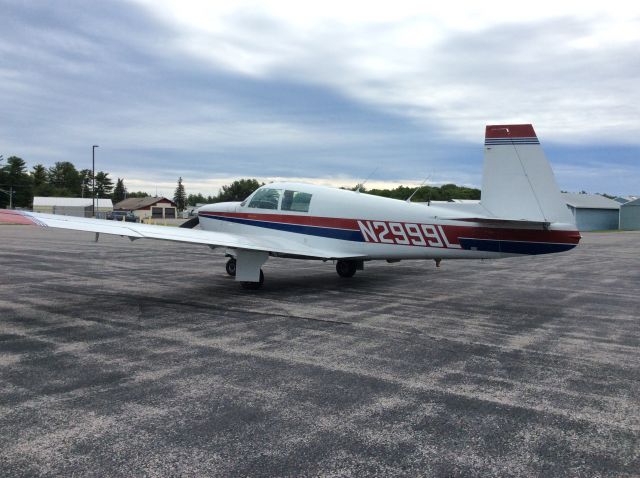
<point>517,181</point>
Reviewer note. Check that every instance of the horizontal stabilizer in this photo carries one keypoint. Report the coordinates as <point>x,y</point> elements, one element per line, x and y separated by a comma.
<point>491,221</point>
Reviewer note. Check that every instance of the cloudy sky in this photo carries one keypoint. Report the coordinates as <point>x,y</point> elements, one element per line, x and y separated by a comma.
<point>325,91</point>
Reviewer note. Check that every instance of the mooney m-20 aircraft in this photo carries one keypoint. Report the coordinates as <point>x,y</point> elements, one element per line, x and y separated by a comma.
<point>520,213</point>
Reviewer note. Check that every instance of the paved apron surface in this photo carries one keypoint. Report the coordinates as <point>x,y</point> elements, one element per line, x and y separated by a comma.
<point>144,358</point>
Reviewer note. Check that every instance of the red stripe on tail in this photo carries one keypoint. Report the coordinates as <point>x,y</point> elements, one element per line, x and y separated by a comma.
<point>510,131</point>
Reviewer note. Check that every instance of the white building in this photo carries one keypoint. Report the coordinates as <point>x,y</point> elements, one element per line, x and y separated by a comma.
<point>593,212</point>
<point>80,207</point>
<point>149,207</point>
<point>630,215</point>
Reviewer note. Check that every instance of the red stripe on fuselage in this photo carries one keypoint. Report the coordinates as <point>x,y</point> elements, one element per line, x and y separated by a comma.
<point>524,235</point>
<point>453,233</point>
<point>333,222</point>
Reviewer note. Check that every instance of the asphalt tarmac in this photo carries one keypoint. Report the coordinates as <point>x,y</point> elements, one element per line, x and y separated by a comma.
<point>146,359</point>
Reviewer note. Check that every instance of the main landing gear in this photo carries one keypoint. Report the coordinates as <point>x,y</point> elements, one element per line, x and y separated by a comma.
<point>231,267</point>
<point>346,268</point>
<point>253,285</point>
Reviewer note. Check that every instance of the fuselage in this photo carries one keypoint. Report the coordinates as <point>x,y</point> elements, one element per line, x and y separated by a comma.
<point>377,227</point>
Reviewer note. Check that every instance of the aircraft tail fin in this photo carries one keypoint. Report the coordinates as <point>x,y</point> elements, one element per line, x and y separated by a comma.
<point>517,180</point>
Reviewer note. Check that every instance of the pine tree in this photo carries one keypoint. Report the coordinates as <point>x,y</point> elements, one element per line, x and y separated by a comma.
<point>180,196</point>
<point>4,184</point>
<point>119,192</point>
<point>39,175</point>
<point>4,196</point>
<point>40,181</point>
<point>18,182</point>
<point>2,172</point>
<point>104,185</point>
<point>65,179</point>
<point>86,175</point>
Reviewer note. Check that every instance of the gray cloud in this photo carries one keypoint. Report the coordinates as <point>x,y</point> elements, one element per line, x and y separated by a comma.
<point>162,103</point>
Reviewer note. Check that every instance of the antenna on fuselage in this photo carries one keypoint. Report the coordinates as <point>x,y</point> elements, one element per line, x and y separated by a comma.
<point>418,188</point>
<point>359,186</point>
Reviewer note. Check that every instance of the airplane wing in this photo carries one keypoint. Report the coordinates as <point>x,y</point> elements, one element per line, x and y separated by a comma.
<point>148,231</point>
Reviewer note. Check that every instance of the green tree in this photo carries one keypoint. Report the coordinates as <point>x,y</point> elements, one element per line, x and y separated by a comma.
<point>104,185</point>
<point>193,199</point>
<point>238,190</point>
<point>138,194</point>
<point>40,181</point>
<point>86,185</point>
<point>180,196</point>
<point>445,192</point>
<point>17,181</point>
<point>358,187</point>
<point>119,191</point>
<point>65,179</point>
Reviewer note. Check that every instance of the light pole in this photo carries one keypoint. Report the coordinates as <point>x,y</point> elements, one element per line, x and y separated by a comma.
<point>93,181</point>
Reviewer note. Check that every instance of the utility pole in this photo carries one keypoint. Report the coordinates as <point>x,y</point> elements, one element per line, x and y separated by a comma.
<point>10,192</point>
<point>93,181</point>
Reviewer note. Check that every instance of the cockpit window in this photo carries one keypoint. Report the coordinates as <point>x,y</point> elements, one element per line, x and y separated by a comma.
<point>265,199</point>
<point>295,201</point>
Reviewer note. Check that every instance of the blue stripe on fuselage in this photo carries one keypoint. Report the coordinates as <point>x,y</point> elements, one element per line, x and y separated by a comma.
<point>342,234</point>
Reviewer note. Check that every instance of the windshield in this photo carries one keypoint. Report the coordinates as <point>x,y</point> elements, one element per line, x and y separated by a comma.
<point>270,198</point>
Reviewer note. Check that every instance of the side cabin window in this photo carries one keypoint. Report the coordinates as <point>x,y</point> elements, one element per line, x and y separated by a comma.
<point>295,201</point>
<point>265,199</point>
<point>268,198</point>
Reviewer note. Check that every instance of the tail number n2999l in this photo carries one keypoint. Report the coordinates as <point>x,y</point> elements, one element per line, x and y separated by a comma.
<point>405,234</point>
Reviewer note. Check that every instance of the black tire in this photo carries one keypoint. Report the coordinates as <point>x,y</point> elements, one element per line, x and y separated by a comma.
<point>346,268</point>
<point>253,285</point>
<point>231,267</point>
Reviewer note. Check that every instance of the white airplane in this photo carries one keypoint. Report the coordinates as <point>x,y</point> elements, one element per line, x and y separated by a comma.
<point>520,213</point>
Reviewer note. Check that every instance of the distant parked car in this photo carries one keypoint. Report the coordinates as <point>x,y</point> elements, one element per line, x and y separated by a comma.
<point>128,216</point>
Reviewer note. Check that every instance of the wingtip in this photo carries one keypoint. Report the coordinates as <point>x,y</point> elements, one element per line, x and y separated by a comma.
<point>10,216</point>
